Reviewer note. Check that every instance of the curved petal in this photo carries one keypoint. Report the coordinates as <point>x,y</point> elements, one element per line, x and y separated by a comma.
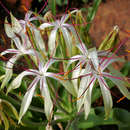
<point>9,67</point>
<point>48,64</point>
<point>39,40</point>
<point>52,40</point>
<point>109,61</point>
<point>11,51</point>
<point>48,105</point>
<point>82,48</point>
<point>73,59</point>
<point>94,58</point>
<point>122,85</point>
<point>8,29</point>
<point>87,101</point>
<point>27,98</point>
<point>72,29</point>
<point>33,18</point>
<point>106,96</point>
<point>28,15</point>
<point>85,90</point>
<point>17,81</point>
<point>30,52</point>
<point>66,16</point>
<point>67,38</point>
<point>45,25</point>
<point>16,27</point>
<point>76,72</point>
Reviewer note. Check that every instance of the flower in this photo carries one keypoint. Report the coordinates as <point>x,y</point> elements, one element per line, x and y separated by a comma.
<point>95,71</point>
<point>27,20</point>
<point>40,76</point>
<point>64,28</point>
<point>83,59</point>
<point>23,46</point>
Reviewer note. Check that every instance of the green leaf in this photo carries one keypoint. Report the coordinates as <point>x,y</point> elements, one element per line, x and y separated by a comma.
<point>122,116</point>
<point>11,107</point>
<point>69,87</point>
<point>5,120</point>
<point>52,6</point>
<point>96,120</point>
<point>92,12</point>
<point>110,40</point>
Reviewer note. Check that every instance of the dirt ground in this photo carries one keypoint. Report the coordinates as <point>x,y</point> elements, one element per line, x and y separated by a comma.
<point>109,14</point>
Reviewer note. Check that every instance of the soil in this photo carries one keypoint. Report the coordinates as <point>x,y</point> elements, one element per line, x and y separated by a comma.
<point>109,14</point>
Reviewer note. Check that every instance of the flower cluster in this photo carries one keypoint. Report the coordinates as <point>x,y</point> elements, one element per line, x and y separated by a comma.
<point>89,65</point>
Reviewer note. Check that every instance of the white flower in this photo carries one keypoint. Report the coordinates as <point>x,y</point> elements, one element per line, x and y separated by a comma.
<point>23,47</point>
<point>40,76</point>
<point>64,28</point>
<point>93,72</point>
<point>27,20</point>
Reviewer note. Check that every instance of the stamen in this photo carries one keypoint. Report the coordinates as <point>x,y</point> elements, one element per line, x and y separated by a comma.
<point>46,2</point>
<point>24,8</point>
<point>122,98</point>
<point>38,95</point>
<point>5,8</point>
<point>84,90</point>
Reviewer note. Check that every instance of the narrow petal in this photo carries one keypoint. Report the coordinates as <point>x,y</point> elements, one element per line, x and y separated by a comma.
<point>33,18</point>
<point>30,52</point>
<point>52,40</point>
<point>82,48</point>
<point>11,51</point>
<point>39,40</point>
<point>122,85</point>
<point>16,27</point>
<point>28,15</point>
<point>103,53</point>
<point>48,105</point>
<point>18,80</point>
<point>27,98</point>
<point>8,29</point>
<point>45,25</point>
<point>72,29</point>
<point>87,101</point>
<point>85,90</point>
<point>17,42</point>
<point>106,96</point>
<point>9,71</point>
<point>109,61</point>
<point>67,38</point>
<point>76,72</point>
<point>48,64</point>
<point>74,58</point>
<point>94,57</point>
<point>65,17</point>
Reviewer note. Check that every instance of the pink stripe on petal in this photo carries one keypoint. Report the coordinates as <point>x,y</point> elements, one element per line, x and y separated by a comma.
<point>111,76</point>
